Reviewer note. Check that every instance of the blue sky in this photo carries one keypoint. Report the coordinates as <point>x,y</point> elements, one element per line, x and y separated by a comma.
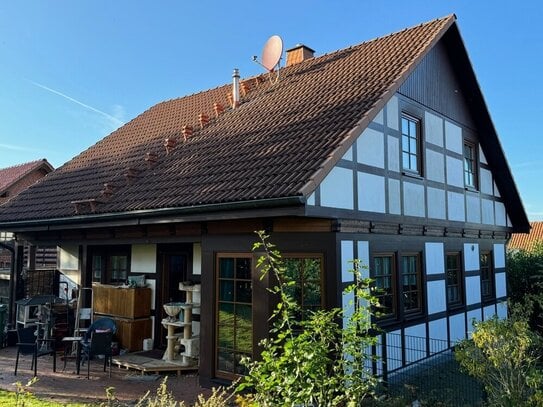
<point>73,71</point>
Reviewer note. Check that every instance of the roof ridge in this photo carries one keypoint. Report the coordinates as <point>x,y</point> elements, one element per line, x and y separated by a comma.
<point>40,160</point>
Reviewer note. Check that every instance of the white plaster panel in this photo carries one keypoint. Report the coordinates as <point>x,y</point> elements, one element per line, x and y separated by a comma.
<point>364,258</point>
<point>394,204</point>
<point>471,256</point>
<point>197,259</point>
<point>393,153</point>
<point>499,255</point>
<point>311,199</point>
<point>500,213</point>
<point>487,211</point>
<point>434,258</point>
<point>347,255</point>
<point>69,257</point>
<point>435,166</point>
<point>151,283</point>
<point>473,290</point>
<point>337,189</point>
<point>501,285</point>
<point>455,203</point>
<point>379,118</point>
<point>496,191</point>
<point>453,137</point>
<point>473,316</point>
<point>348,156</point>
<point>433,128</point>
<point>438,330</point>
<point>143,258</point>
<point>473,208</point>
<point>371,193</point>
<point>436,203</point>
<point>152,330</point>
<point>455,172</point>
<point>482,157</point>
<point>371,148</point>
<point>501,307</point>
<point>392,113</point>
<point>489,312</point>
<point>347,300</point>
<point>415,347</point>
<point>509,221</point>
<point>413,199</point>
<point>394,350</point>
<point>436,296</point>
<point>457,328</point>
<point>485,181</point>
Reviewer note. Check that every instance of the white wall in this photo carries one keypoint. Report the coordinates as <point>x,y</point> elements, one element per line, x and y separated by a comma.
<point>371,148</point>
<point>69,264</point>
<point>337,189</point>
<point>457,327</point>
<point>143,258</point>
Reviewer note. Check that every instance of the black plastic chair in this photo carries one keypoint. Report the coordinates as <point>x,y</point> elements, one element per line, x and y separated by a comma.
<point>29,344</point>
<point>100,344</point>
<point>97,341</point>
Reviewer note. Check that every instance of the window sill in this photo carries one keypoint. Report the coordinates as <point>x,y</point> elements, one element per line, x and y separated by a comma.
<point>471,189</point>
<point>412,175</point>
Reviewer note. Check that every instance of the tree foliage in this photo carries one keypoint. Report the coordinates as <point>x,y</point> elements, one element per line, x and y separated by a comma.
<point>503,356</point>
<point>319,360</point>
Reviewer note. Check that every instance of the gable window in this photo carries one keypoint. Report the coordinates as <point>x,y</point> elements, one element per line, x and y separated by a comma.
<point>411,157</point>
<point>487,276</point>
<point>410,283</point>
<point>470,165</point>
<point>110,265</point>
<point>383,275</point>
<point>306,273</point>
<point>454,281</point>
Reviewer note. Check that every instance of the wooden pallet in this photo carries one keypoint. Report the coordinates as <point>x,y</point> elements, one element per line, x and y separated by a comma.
<point>146,364</point>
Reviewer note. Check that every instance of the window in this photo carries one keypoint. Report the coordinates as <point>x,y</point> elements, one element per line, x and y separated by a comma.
<point>454,281</point>
<point>470,165</point>
<point>383,274</point>
<point>487,276</point>
<point>411,159</point>
<point>234,313</point>
<point>410,283</point>
<point>306,272</point>
<point>110,265</point>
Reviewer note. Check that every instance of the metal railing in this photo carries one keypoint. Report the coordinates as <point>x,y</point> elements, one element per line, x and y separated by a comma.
<point>423,369</point>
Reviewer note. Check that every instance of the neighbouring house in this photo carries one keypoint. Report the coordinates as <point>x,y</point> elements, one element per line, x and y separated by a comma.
<point>523,241</point>
<point>14,180</point>
<point>384,151</point>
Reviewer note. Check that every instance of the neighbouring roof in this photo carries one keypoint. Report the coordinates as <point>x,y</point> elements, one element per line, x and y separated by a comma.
<point>10,175</point>
<point>526,241</point>
<point>279,143</point>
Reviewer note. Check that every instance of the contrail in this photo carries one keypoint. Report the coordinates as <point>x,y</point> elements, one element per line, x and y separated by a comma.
<point>16,148</point>
<point>71,99</point>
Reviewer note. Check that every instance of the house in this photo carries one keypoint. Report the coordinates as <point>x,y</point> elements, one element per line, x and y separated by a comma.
<point>523,241</point>
<point>383,151</point>
<point>14,180</point>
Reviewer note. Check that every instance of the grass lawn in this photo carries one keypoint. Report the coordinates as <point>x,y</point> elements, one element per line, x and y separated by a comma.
<point>26,399</point>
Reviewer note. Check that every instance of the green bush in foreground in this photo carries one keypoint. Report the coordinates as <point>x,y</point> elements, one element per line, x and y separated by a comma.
<point>316,360</point>
<point>503,356</point>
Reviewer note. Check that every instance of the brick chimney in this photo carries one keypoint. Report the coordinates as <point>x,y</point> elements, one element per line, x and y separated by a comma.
<point>298,54</point>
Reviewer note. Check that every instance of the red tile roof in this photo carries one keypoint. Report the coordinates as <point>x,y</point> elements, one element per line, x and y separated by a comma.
<point>10,175</point>
<point>525,241</point>
<point>281,142</point>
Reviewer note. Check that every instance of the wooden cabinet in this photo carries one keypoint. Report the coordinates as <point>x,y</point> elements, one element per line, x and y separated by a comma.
<point>122,302</point>
<point>131,310</point>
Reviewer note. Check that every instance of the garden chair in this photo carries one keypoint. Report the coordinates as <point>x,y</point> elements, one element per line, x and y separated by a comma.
<point>29,344</point>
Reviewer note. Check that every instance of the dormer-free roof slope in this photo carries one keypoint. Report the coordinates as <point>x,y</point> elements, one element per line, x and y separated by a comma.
<point>527,241</point>
<point>277,145</point>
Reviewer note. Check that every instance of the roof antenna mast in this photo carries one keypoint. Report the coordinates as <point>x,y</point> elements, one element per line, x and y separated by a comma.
<point>271,57</point>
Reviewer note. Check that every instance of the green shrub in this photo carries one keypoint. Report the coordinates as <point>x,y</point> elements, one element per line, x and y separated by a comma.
<point>315,360</point>
<point>503,356</point>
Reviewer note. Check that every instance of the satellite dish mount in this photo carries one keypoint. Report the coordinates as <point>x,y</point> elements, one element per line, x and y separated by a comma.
<point>271,57</point>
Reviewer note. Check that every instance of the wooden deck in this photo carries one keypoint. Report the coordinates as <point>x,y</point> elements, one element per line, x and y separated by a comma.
<point>146,364</point>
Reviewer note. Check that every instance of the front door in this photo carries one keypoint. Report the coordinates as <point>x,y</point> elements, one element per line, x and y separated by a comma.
<point>174,269</point>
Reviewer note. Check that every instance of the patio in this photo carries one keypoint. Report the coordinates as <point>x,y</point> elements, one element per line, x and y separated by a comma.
<point>65,386</point>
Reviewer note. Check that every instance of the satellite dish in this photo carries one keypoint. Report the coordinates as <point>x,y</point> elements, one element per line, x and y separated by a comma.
<point>271,54</point>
